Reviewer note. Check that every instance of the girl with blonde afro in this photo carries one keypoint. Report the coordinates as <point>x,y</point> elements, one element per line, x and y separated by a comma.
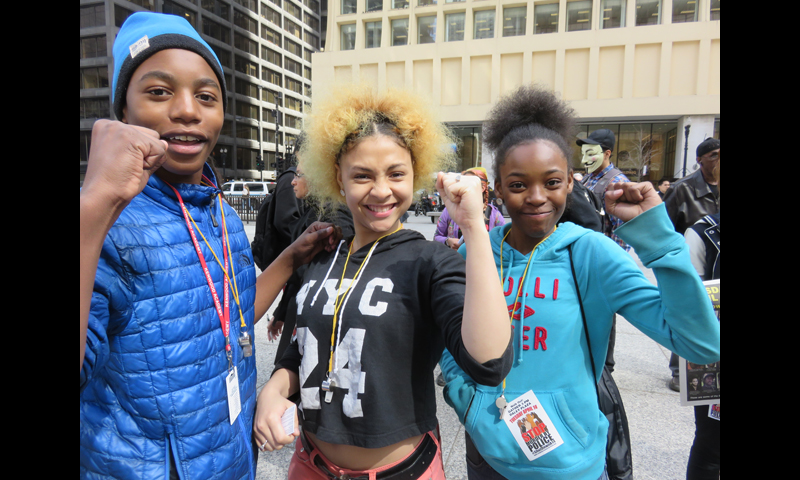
<point>374,316</point>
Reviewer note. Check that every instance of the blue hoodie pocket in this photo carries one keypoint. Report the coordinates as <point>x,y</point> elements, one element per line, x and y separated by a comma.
<point>495,442</point>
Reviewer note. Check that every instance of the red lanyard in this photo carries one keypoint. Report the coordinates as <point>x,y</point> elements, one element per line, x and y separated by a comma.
<point>224,316</point>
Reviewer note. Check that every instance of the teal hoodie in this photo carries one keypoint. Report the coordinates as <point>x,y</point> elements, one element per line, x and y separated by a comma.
<point>551,356</point>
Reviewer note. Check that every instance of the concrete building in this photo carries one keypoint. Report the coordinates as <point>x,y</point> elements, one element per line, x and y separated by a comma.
<point>265,48</point>
<point>647,69</point>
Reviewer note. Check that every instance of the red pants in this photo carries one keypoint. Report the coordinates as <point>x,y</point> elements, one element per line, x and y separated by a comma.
<point>302,466</point>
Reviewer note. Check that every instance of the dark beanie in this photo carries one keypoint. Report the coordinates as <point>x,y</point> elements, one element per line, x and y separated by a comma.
<point>708,145</point>
<point>145,33</point>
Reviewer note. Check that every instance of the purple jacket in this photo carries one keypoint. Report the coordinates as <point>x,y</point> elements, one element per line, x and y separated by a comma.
<point>448,228</point>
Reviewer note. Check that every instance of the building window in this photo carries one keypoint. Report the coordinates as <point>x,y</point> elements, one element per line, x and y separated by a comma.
<point>293,10</point>
<point>271,76</point>
<point>244,109</point>
<point>373,34</point>
<point>374,5</point>
<point>579,15</point>
<point>399,4</point>
<point>271,56</point>
<point>246,132</point>
<point>612,14</point>
<point>423,3</point>
<point>243,87</point>
<point>454,1</point>
<point>348,37</point>
<point>245,44</point>
<point>94,77</point>
<point>270,14</point>
<point>311,39</point>
<point>311,21</point>
<point>95,108</point>
<point>684,11</point>
<point>93,16</point>
<point>92,47</point>
<point>270,35</point>
<point>294,67</point>
<point>714,9</point>
<point>294,85</point>
<point>120,15</point>
<point>399,32</point>
<point>216,7</point>
<point>181,11</point>
<point>292,47</point>
<point>545,18</point>
<point>484,24</point>
<point>292,28</point>
<point>241,64</point>
<point>349,6</point>
<point>293,122</point>
<point>648,12</point>
<point>426,29</point>
<point>514,21</point>
<point>216,31</point>
<point>223,55</point>
<point>454,27</point>
<point>242,20</point>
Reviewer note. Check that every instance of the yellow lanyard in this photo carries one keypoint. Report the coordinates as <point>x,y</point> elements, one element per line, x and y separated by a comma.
<point>521,280</point>
<point>233,272</point>
<point>340,298</point>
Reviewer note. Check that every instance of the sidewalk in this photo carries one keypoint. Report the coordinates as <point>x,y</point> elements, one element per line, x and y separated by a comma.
<point>661,430</point>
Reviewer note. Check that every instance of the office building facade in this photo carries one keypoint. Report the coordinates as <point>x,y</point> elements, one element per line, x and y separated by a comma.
<point>647,69</point>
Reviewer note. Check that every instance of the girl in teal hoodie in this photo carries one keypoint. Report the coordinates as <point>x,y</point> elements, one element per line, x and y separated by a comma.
<point>563,283</point>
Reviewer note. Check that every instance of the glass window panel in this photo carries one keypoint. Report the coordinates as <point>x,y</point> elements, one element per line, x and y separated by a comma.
<point>93,16</point>
<point>454,26</point>
<point>426,29</point>
<point>400,32</point>
<point>612,13</point>
<point>374,5</point>
<point>217,31</point>
<point>216,7</point>
<point>714,9</point>
<point>349,6</point>
<point>579,15</point>
<point>484,24</point>
<point>545,18</point>
<point>373,34</point>
<point>514,21</point>
<point>399,3</point>
<point>348,37</point>
<point>684,11</point>
<point>648,12</point>
<point>423,3</point>
<point>181,11</point>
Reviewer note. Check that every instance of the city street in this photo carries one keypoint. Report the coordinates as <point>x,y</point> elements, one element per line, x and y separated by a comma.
<point>661,430</point>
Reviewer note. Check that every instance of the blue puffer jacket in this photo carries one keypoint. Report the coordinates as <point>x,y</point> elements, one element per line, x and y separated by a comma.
<point>153,379</point>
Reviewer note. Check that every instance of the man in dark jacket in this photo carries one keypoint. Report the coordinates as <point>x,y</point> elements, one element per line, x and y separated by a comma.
<point>695,196</point>
<point>690,199</point>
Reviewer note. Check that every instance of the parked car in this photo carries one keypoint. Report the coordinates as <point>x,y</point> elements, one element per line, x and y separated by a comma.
<point>236,188</point>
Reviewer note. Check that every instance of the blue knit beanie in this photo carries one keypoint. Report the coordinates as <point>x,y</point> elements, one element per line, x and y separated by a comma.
<point>146,33</point>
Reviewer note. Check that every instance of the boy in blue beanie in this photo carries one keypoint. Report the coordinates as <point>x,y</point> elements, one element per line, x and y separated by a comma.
<point>168,288</point>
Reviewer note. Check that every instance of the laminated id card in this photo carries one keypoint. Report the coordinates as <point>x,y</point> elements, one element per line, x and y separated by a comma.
<point>234,403</point>
<point>531,427</point>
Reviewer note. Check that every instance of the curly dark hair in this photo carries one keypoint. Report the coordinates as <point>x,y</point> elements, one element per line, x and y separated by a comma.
<point>528,114</point>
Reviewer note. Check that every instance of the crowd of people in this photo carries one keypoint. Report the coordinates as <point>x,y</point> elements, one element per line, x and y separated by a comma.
<point>518,315</point>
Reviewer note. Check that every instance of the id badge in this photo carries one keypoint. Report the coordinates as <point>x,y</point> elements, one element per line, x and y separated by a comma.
<point>234,402</point>
<point>531,426</point>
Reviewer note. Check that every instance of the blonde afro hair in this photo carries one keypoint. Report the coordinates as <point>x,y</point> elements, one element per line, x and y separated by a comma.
<point>350,114</point>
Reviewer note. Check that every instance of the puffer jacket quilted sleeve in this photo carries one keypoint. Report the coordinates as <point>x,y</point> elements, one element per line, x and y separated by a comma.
<point>153,379</point>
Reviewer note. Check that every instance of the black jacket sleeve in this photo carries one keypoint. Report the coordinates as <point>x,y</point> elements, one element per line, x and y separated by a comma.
<point>448,284</point>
